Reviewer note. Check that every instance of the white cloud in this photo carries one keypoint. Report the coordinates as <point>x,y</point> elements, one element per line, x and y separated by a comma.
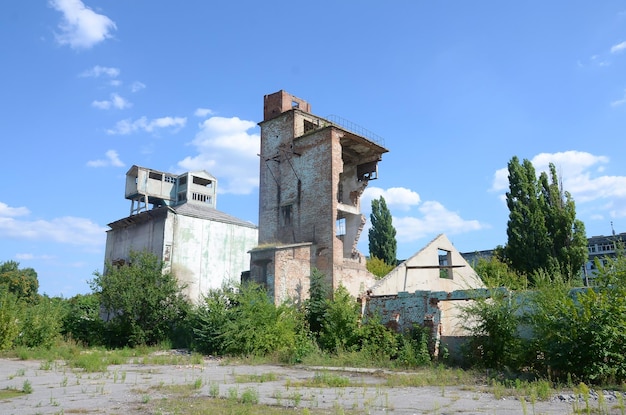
<point>619,102</point>
<point>618,48</point>
<point>229,151</point>
<point>137,86</point>
<point>66,230</point>
<point>115,101</point>
<point>431,218</point>
<point>129,126</point>
<point>112,159</point>
<point>8,211</point>
<point>98,71</point>
<point>397,197</point>
<point>203,112</point>
<point>29,256</point>
<point>434,219</point>
<point>580,173</point>
<point>81,27</point>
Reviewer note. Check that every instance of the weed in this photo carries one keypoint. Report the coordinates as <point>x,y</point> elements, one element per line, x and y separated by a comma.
<point>254,378</point>
<point>214,390</point>
<point>197,384</point>
<point>27,387</point>
<point>233,394</point>
<point>250,396</point>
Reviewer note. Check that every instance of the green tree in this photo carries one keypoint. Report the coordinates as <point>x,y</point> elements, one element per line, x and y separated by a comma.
<point>567,234</point>
<point>11,311</point>
<point>382,234</point>
<point>543,232</point>
<point>378,267</point>
<point>21,282</point>
<point>144,304</point>
<point>340,324</point>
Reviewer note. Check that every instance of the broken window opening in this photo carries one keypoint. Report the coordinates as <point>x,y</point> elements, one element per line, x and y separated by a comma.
<point>285,215</point>
<point>309,126</point>
<point>367,171</point>
<point>155,176</point>
<point>182,181</point>
<point>445,260</point>
<point>182,197</point>
<point>340,227</point>
<point>202,181</point>
<point>340,191</point>
<point>295,104</point>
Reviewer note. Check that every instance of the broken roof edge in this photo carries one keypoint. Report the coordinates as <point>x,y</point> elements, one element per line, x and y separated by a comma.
<point>186,209</point>
<point>135,168</point>
<point>404,263</point>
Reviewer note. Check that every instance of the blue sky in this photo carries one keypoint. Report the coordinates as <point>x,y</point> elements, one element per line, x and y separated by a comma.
<point>455,88</point>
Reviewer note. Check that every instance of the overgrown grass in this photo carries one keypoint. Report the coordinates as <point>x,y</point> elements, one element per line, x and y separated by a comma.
<point>10,393</point>
<point>255,378</point>
<point>325,379</point>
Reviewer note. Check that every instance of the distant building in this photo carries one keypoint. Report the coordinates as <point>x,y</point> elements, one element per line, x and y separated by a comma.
<point>313,171</point>
<point>174,217</point>
<point>598,247</point>
<point>602,248</point>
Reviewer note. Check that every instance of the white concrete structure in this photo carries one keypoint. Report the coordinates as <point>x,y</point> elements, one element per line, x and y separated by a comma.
<point>200,245</point>
<point>436,267</point>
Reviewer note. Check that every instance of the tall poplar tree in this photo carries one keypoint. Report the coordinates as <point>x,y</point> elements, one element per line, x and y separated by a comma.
<point>543,232</point>
<point>382,234</point>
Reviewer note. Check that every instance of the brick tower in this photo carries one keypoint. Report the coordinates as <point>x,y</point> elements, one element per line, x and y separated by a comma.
<point>312,174</point>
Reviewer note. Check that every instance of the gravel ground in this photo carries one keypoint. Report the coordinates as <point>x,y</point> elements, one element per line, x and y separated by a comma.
<point>135,388</point>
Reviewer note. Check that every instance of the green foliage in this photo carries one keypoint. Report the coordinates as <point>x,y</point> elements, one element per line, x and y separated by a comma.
<point>10,314</point>
<point>378,267</point>
<point>258,327</point>
<point>382,234</point>
<point>496,273</point>
<point>494,324</point>
<point>21,282</point>
<point>340,324</point>
<point>543,232</point>
<point>316,305</point>
<point>82,321</point>
<point>209,320</point>
<point>41,325</point>
<point>143,303</point>
<point>582,333</point>
<point>377,340</point>
<point>413,347</point>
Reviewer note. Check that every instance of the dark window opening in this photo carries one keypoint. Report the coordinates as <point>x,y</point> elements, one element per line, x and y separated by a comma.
<point>445,260</point>
<point>309,126</point>
<point>340,192</point>
<point>202,181</point>
<point>182,180</point>
<point>367,171</point>
<point>285,215</point>
<point>155,176</point>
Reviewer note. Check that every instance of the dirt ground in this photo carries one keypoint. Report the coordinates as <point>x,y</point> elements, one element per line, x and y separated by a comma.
<point>127,389</point>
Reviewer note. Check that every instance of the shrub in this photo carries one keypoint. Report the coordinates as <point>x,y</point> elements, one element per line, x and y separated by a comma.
<point>258,327</point>
<point>82,321</point>
<point>42,323</point>
<point>209,320</point>
<point>582,333</point>
<point>413,347</point>
<point>378,267</point>
<point>144,304</point>
<point>10,313</point>
<point>494,323</point>
<point>340,324</point>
